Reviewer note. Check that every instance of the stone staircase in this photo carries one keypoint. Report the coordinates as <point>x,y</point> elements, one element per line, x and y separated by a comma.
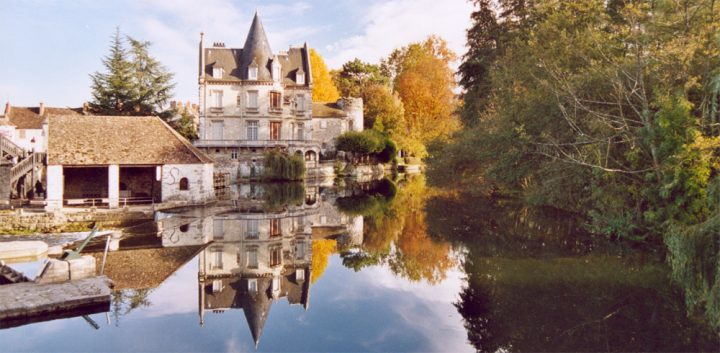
<point>15,163</point>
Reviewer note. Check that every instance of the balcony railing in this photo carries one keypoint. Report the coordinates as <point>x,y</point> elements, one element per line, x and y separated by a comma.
<point>257,143</point>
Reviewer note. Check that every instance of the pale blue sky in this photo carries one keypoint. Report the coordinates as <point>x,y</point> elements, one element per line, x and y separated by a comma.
<point>49,47</point>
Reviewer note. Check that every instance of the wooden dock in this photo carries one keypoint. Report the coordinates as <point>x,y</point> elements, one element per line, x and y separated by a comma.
<point>28,302</point>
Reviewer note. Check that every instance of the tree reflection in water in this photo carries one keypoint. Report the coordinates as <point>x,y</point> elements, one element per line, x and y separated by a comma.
<point>536,282</point>
<point>395,231</point>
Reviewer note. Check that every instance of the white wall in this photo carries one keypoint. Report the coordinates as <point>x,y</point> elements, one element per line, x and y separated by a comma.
<point>40,145</point>
<point>54,188</point>
<point>200,182</point>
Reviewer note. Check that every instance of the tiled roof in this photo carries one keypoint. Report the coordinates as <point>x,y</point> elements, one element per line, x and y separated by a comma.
<point>327,110</point>
<point>145,268</point>
<point>126,140</point>
<point>30,118</point>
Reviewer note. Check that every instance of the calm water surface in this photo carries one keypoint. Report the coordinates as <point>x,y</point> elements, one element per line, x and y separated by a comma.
<point>382,266</point>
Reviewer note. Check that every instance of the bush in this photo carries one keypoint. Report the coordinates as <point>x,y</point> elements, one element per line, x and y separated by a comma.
<point>279,166</point>
<point>368,142</point>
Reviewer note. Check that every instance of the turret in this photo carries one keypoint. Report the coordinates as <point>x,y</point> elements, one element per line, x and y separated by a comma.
<point>256,50</point>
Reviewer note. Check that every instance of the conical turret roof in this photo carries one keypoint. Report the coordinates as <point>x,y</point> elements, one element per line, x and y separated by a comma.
<point>257,51</point>
<point>256,307</point>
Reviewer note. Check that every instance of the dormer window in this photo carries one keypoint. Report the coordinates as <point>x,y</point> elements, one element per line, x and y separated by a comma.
<point>300,78</point>
<point>276,72</point>
<point>252,73</point>
<point>217,72</point>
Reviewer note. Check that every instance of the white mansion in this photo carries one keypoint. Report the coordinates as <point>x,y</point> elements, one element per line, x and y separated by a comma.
<point>252,100</point>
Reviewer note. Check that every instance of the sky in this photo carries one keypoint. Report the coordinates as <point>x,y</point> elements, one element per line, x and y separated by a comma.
<point>50,47</point>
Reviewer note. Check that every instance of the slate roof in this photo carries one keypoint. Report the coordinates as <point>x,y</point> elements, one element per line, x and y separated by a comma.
<point>125,140</point>
<point>235,61</point>
<point>30,118</point>
<point>327,110</point>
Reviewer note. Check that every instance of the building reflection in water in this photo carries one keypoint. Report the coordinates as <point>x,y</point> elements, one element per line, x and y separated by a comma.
<point>256,256</point>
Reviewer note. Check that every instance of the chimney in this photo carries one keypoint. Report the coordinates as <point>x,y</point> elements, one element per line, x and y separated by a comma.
<point>173,105</point>
<point>41,111</point>
<point>85,108</point>
<point>218,45</point>
<point>7,108</point>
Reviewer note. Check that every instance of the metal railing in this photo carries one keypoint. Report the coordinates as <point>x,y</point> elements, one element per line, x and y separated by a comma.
<point>105,201</point>
<point>256,143</point>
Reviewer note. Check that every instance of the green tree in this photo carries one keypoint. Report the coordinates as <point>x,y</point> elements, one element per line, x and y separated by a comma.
<point>113,91</point>
<point>134,82</point>
<point>153,84</point>
<point>356,75</point>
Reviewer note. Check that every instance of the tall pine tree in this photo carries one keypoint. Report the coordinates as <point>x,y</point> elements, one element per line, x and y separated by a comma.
<point>134,82</point>
<point>113,91</point>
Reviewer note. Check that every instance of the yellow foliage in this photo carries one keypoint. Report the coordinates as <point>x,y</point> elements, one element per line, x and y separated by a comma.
<point>324,89</point>
<point>321,251</point>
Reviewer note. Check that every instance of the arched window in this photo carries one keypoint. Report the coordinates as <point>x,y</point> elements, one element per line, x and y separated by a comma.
<point>184,184</point>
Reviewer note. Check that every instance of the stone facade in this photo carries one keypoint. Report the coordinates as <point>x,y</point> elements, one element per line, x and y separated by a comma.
<point>252,100</point>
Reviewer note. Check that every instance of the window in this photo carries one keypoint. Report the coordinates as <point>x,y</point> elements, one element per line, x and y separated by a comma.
<point>217,72</point>
<point>217,127</point>
<point>300,103</point>
<point>276,72</point>
<point>218,229</point>
<point>275,229</point>
<point>252,231</point>
<point>275,256</point>
<point>234,153</point>
<point>252,258</point>
<point>300,131</point>
<point>275,284</point>
<point>299,274</point>
<point>252,99</point>
<point>300,251</point>
<point>252,285</point>
<point>275,127</point>
<point>238,100</point>
<point>217,263</point>
<point>252,130</point>
<point>184,184</point>
<point>217,286</point>
<point>217,99</point>
<point>252,73</point>
<point>275,102</point>
<point>300,78</point>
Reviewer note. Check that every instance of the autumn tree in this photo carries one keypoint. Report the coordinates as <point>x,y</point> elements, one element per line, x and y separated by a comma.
<point>324,89</point>
<point>424,81</point>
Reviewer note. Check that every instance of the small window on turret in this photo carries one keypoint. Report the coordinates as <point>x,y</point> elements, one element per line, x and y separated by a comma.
<point>217,72</point>
<point>300,78</point>
<point>252,73</point>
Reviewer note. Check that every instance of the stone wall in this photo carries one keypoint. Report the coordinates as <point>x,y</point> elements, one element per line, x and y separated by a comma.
<point>200,183</point>
<point>5,176</point>
<point>53,222</point>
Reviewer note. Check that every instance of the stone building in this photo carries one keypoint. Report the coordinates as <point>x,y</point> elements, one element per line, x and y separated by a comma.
<point>253,100</point>
<point>118,160</point>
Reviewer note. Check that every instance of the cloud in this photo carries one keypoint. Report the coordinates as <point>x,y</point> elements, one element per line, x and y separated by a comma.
<point>392,24</point>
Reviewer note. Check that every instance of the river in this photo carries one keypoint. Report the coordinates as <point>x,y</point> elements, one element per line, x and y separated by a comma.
<point>379,266</point>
